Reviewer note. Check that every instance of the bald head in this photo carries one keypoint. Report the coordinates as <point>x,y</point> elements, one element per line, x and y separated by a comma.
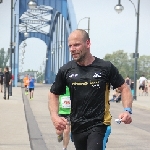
<point>79,32</point>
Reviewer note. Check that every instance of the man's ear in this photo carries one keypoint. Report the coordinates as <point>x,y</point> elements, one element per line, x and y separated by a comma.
<point>88,43</point>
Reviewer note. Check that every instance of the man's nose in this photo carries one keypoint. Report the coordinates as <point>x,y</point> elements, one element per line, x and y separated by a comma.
<point>72,48</point>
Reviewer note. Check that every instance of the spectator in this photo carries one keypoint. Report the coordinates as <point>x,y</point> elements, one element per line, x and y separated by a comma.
<point>7,81</point>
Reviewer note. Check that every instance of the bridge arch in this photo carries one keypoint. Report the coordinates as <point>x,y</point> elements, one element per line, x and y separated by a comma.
<point>56,38</point>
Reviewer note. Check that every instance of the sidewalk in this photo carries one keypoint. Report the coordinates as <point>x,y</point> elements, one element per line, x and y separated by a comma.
<point>13,126</point>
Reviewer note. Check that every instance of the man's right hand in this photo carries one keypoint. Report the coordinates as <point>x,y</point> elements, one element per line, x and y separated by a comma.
<point>59,122</point>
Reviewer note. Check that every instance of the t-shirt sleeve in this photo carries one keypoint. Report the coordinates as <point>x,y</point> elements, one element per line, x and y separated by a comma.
<point>115,78</point>
<point>59,86</point>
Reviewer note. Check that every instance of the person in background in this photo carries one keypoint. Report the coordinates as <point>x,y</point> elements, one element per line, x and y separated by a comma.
<point>64,111</point>
<point>7,82</point>
<point>142,83</point>
<point>128,81</point>
<point>116,96</point>
<point>132,88</point>
<point>1,80</point>
<point>146,90</point>
<point>26,83</point>
<point>31,87</point>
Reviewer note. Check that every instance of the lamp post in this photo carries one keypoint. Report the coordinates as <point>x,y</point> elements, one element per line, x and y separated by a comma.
<point>11,44</point>
<point>119,8</point>
<point>88,24</point>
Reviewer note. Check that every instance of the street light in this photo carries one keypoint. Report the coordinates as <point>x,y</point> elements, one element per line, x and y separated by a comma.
<point>32,4</point>
<point>26,34</point>
<point>11,44</point>
<point>119,8</point>
<point>136,55</point>
<point>88,24</point>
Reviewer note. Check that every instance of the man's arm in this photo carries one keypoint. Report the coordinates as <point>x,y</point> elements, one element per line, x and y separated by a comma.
<point>126,96</point>
<point>53,104</point>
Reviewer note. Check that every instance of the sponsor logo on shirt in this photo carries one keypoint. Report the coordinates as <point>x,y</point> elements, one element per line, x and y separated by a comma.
<point>96,75</point>
<point>73,75</point>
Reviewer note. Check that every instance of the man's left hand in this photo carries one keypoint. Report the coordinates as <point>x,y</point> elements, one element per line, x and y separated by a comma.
<point>125,117</point>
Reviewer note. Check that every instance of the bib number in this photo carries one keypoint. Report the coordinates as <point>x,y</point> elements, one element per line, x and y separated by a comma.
<point>66,102</point>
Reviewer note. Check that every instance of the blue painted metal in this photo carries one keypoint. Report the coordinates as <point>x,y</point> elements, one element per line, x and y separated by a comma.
<point>60,27</point>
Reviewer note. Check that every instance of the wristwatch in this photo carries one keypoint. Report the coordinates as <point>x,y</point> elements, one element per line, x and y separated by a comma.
<point>128,109</point>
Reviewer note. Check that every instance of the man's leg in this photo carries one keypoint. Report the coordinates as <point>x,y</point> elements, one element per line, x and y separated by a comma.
<point>25,89</point>
<point>80,140</point>
<point>97,138</point>
<point>143,89</point>
<point>8,90</point>
<point>4,91</point>
<point>30,90</point>
<point>107,133</point>
<point>1,84</point>
<point>66,137</point>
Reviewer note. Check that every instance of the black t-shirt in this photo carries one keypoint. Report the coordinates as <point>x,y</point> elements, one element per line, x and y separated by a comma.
<point>7,78</point>
<point>89,92</point>
<point>1,77</point>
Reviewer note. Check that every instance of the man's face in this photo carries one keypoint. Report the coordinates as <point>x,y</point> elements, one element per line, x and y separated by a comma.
<point>77,46</point>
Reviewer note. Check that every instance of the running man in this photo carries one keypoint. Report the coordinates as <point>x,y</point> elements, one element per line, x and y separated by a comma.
<point>26,83</point>
<point>89,79</point>
<point>31,87</point>
<point>64,112</point>
<point>1,80</point>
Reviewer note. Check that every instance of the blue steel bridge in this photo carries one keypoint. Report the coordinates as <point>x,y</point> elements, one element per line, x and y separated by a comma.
<point>49,20</point>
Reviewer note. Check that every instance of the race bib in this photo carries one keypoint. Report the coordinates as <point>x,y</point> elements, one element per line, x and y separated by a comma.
<point>66,102</point>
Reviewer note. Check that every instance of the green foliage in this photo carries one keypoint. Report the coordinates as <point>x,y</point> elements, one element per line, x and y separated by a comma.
<point>4,57</point>
<point>125,64</point>
<point>144,66</point>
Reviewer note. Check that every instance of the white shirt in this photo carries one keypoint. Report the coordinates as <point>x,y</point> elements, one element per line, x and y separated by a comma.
<point>141,80</point>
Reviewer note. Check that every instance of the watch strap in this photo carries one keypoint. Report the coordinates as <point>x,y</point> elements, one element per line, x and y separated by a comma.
<point>128,109</point>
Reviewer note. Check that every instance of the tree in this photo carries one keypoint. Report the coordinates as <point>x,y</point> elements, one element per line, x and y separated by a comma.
<point>4,57</point>
<point>144,66</point>
<point>120,60</point>
<point>125,64</point>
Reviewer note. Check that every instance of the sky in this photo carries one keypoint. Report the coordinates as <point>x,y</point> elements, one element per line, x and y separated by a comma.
<point>109,31</point>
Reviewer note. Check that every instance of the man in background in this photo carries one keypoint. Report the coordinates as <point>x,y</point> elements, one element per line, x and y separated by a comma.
<point>26,83</point>
<point>128,81</point>
<point>7,82</point>
<point>31,87</point>
<point>142,82</point>
<point>1,80</point>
